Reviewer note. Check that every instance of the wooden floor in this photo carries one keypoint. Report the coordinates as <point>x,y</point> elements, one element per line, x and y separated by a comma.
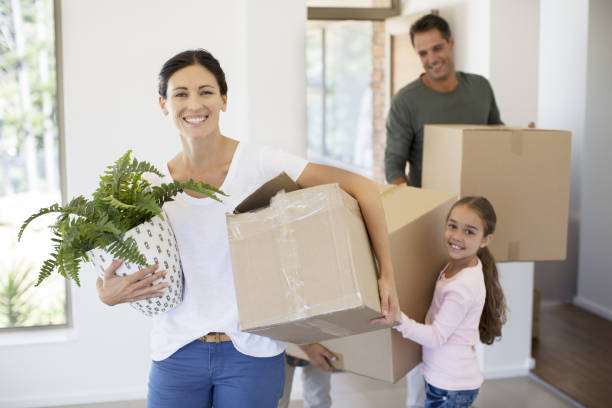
<point>573,353</point>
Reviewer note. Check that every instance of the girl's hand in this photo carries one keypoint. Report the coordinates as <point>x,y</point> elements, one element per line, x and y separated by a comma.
<point>389,302</point>
<point>319,355</point>
<point>114,289</point>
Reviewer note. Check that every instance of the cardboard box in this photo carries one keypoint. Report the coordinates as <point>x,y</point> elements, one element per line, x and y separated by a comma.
<point>415,221</point>
<point>525,173</point>
<point>303,266</point>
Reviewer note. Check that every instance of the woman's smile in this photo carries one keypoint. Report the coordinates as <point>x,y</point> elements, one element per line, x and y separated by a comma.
<point>195,120</point>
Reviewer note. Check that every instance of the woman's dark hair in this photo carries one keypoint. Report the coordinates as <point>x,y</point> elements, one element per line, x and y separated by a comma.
<point>494,312</point>
<point>429,22</point>
<point>188,58</point>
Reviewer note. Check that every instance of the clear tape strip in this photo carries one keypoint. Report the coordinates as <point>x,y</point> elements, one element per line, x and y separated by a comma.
<point>285,210</point>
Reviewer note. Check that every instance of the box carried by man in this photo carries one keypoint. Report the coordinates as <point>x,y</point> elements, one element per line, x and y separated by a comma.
<point>524,173</point>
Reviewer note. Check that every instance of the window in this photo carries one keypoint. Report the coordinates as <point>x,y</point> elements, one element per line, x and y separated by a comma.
<point>345,69</point>
<point>29,163</point>
<point>339,96</point>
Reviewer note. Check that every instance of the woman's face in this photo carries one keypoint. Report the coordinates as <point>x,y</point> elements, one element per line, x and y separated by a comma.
<point>193,101</point>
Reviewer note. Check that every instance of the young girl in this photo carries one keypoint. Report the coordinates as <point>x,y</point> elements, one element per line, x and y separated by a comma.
<point>468,304</point>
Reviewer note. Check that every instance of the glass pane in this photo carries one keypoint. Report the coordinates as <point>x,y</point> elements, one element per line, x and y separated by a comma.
<point>348,96</point>
<point>29,163</point>
<point>314,88</point>
<point>348,3</point>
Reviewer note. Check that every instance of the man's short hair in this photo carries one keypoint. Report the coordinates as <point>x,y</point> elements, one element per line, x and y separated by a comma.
<point>429,22</point>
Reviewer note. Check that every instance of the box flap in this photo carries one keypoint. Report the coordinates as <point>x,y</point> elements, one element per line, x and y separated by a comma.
<point>489,128</point>
<point>396,199</point>
<point>261,197</point>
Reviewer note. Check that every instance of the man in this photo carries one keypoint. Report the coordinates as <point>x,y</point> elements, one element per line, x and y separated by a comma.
<point>440,95</point>
<point>316,376</point>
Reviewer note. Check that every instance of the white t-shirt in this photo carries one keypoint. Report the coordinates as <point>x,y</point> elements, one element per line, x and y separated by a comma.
<point>209,299</point>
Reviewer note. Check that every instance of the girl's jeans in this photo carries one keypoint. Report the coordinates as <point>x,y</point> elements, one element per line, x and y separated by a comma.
<point>439,398</point>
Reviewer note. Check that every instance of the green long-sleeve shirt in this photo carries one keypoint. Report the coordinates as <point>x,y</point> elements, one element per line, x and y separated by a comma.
<point>415,105</point>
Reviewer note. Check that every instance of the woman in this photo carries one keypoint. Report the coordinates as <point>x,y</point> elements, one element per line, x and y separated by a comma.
<point>200,357</point>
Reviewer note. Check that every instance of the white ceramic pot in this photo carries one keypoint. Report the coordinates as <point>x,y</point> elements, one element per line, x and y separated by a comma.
<point>156,241</point>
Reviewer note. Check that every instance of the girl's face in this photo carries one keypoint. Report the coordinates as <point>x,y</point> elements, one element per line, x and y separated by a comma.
<point>464,234</point>
<point>193,101</point>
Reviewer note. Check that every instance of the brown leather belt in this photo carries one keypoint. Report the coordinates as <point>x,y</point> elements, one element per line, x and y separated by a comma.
<point>215,337</point>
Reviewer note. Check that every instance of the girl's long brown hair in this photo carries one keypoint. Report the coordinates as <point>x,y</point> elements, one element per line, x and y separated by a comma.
<point>494,312</point>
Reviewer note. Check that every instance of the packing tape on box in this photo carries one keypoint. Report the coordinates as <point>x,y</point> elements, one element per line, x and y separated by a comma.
<point>312,202</point>
<point>287,210</point>
<point>516,142</point>
<point>288,253</point>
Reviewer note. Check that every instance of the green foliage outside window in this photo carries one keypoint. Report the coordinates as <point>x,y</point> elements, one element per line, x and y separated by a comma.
<point>29,159</point>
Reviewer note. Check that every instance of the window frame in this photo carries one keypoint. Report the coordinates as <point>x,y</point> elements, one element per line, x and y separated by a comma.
<point>59,97</point>
<point>354,13</point>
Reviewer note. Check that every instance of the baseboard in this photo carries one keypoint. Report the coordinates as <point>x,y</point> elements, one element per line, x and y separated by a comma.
<point>131,394</point>
<point>519,370</point>
<point>593,307</point>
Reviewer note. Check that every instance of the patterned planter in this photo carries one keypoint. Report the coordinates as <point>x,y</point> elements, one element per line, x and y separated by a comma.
<point>156,241</point>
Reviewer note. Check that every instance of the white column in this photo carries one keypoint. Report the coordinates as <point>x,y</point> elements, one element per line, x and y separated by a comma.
<point>511,356</point>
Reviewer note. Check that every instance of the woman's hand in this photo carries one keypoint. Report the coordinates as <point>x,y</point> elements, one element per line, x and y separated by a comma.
<point>114,289</point>
<point>389,303</point>
<point>319,355</point>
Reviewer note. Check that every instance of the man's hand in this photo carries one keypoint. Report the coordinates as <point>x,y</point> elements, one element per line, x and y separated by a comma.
<point>319,356</point>
<point>114,289</point>
<point>400,180</point>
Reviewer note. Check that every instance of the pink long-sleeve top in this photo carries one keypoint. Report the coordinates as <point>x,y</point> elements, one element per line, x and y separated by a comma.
<point>450,332</point>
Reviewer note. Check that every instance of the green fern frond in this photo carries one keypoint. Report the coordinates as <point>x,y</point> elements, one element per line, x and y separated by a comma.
<point>68,264</point>
<point>147,204</point>
<point>116,203</point>
<point>165,192</point>
<point>42,211</point>
<point>123,200</point>
<point>146,167</point>
<point>46,270</point>
<point>202,188</point>
<point>128,250</point>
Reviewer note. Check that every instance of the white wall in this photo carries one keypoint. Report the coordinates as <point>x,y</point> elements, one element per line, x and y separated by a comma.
<point>595,267</point>
<point>514,59</point>
<point>113,50</point>
<point>470,24</point>
<point>514,78</point>
<point>561,105</point>
<point>277,73</point>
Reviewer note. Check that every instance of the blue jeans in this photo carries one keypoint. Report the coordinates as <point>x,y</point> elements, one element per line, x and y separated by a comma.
<point>215,374</point>
<point>439,398</point>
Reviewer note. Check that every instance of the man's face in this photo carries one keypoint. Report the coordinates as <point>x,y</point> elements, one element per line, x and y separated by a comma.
<point>436,54</point>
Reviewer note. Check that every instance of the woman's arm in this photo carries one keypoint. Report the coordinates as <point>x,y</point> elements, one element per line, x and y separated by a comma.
<point>366,193</point>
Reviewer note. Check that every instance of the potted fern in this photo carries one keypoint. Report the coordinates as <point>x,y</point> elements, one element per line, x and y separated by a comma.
<point>124,219</point>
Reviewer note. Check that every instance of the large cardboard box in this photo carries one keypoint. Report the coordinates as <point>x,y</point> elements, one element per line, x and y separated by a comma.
<point>415,220</point>
<point>525,173</point>
<point>303,266</point>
